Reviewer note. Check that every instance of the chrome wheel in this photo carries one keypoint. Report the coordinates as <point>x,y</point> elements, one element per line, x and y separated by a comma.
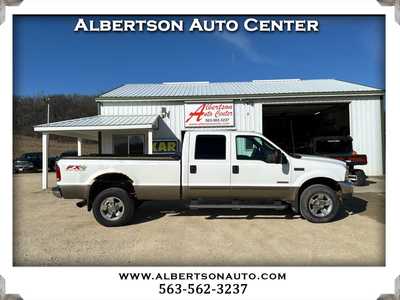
<point>320,205</point>
<point>112,208</point>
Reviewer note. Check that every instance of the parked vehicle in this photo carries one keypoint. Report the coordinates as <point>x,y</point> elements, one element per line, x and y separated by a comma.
<point>22,166</point>
<point>341,148</point>
<point>36,159</point>
<point>216,169</point>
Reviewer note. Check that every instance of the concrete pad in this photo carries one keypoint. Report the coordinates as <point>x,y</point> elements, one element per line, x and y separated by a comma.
<point>50,232</point>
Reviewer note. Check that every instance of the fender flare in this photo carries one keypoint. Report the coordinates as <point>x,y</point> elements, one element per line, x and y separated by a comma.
<point>325,180</point>
<point>95,177</point>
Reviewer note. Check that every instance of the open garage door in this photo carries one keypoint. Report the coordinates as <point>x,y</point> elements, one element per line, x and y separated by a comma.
<point>292,127</point>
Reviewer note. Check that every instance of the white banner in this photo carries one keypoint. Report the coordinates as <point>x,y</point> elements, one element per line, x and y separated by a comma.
<point>209,114</point>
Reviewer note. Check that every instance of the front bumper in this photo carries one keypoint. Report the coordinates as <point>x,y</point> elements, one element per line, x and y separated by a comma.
<point>23,169</point>
<point>346,188</point>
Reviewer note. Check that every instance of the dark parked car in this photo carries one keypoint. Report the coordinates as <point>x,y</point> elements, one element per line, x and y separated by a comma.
<point>22,166</point>
<point>35,158</point>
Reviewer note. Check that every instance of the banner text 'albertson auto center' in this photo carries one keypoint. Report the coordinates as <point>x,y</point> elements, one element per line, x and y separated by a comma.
<point>196,25</point>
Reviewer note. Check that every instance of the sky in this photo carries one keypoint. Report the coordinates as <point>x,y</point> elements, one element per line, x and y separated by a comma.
<point>50,58</point>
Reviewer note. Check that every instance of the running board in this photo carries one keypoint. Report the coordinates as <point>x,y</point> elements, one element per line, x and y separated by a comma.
<point>276,206</point>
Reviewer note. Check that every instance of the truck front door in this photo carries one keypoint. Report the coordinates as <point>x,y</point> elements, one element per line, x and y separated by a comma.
<point>209,166</point>
<point>255,175</point>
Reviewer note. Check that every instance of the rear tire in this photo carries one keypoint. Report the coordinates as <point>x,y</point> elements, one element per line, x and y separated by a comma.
<point>361,178</point>
<point>113,207</point>
<point>319,204</point>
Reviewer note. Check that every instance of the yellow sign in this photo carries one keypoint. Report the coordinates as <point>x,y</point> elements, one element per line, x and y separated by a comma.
<point>165,146</point>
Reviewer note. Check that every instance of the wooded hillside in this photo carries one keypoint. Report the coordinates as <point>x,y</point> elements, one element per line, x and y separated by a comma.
<point>31,111</point>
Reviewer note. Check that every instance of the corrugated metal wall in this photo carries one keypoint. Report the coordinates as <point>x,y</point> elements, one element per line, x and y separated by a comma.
<point>365,121</point>
<point>248,116</point>
<point>366,130</point>
<point>169,127</point>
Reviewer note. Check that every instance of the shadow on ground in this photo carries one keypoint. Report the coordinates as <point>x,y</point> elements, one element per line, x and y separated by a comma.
<point>351,207</point>
<point>150,211</point>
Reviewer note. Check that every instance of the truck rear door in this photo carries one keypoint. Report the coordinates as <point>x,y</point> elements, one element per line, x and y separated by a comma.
<point>209,166</point>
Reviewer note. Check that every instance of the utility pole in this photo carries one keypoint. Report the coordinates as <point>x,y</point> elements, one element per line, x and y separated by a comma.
<point>3,295</point>
<point>47,100</point>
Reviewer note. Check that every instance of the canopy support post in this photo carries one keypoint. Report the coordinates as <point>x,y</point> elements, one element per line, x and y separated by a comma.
<point>150,142</point>
<point>79,146</point>
<point>45,158</point>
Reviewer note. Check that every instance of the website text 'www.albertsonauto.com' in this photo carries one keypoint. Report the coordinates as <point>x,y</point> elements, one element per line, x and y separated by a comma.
<point>206,283</point>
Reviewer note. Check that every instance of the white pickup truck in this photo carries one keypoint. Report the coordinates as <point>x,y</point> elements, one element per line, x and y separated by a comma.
<point>216,169</point>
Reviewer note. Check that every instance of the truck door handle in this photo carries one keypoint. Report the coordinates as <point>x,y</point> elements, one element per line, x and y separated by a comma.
<point>235,169</point>
<point>193,169</point>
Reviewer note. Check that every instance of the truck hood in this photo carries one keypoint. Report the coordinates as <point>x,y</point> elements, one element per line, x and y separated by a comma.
<point>320,159</point>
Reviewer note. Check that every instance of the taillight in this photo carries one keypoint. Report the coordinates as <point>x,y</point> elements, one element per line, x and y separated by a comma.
<point>58,173</point>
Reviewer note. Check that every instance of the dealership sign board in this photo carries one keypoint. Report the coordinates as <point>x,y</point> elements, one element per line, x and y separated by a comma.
<point>210,114</point>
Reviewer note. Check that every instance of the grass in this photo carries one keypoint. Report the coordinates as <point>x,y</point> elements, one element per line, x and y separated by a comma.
<point>23,144</point>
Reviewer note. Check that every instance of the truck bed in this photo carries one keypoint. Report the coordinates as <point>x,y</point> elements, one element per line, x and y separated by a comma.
<point>150,174</point>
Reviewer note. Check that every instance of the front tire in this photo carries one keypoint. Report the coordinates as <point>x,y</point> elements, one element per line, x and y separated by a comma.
<point>113,207</point>
<point>319,203</point>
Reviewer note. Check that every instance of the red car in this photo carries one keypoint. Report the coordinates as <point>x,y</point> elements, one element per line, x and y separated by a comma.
<point>341,147</point>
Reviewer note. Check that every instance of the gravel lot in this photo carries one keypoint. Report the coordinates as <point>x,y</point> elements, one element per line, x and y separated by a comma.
<point>49,232</point>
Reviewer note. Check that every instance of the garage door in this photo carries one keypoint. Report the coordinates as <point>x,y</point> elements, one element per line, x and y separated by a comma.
<point>293,127</point>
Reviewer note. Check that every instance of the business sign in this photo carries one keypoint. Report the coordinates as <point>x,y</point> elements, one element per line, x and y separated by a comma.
<point>165,146</point>
<point>209,114</point>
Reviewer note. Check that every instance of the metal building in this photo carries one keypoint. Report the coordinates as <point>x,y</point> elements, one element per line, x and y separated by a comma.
<point>150,118</point>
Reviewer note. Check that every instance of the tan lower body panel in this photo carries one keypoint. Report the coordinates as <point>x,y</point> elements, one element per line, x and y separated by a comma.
<point>199,192</point>
<point>157,192</point>
<point>241,193</point>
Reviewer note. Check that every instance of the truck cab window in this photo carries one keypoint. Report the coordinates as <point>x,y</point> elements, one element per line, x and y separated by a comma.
<point>210,147</point>
<point>253,148</point>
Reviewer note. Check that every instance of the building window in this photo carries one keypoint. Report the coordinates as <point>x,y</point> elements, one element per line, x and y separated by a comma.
<point>210,147</point>
<point>128,144</point>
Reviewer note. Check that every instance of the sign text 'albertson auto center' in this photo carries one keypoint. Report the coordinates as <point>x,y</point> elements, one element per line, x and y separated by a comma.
<point>209,114</point>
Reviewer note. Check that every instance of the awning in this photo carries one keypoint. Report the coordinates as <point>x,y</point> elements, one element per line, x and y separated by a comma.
<point>90,128</point>
<point>101,123</point>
